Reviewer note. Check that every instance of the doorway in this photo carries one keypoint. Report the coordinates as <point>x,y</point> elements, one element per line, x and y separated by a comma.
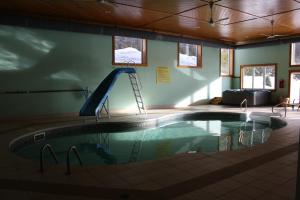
<point>294,86</point>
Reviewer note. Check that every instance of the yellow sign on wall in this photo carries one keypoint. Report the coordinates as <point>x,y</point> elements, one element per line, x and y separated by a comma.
<point>163,75</point>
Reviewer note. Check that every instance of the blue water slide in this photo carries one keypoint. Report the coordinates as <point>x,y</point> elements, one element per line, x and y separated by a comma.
<point>99,96</point>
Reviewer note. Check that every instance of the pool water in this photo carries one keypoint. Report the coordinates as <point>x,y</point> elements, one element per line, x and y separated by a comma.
<point>175,138</point>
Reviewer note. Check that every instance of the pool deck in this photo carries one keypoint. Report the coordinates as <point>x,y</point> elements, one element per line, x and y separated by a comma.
<point>266,171</point>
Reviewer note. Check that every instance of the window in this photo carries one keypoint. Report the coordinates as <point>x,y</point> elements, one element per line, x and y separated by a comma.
<point>226,62</point>
<point>189,55</point>
<point>258,76</point>
<point>295,54</point>
<point>129,51</point>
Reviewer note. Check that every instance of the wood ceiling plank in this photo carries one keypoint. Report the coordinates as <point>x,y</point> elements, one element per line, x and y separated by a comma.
<point>203,14</point>
<point>250,31</point>
<point>167,6</point>
<point>127,16</point>
<point>287,23</point>
<point>88,11</point>
<point>180,25</point>
<point>261,7</point>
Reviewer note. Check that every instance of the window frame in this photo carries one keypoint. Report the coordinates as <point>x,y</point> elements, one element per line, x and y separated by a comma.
<point>258,65</point>
<point>144,53</point>
<point>199,56</point>
<point>231,62</point>
<point>290,61</point>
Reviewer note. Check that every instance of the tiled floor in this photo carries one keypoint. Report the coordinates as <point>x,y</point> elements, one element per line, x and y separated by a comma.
<point>266,171</point>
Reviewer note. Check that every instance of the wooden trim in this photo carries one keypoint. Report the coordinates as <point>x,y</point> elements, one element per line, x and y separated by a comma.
<point>144,54</point>
<point>290,57</point>
<point>185,66</point>
<point>113,50</point>
<point>257,65</point>
<point>178,50</point>
<point>241,77</point>
<point>220,64</point>
<point>199,57</point>
<point>290,54</point>
<point>231,54</point>
<point>126,64</point>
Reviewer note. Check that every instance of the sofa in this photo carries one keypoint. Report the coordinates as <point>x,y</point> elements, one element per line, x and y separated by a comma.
<point>254,97</point>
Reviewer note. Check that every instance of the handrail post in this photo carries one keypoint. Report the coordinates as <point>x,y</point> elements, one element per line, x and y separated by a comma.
<point>49,147</point>
<point>97,113</point>
<point>285,110</point>
<point>106,108</point>
<point>98,110</point>
<point>72,149</point>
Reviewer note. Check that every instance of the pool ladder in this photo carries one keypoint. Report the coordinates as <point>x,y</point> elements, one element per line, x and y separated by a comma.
<point>52,153</point>
<point>42,150</point>
<point>72,149</point>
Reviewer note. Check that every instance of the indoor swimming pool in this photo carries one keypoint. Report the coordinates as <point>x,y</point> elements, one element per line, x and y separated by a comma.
<point>192,133</point>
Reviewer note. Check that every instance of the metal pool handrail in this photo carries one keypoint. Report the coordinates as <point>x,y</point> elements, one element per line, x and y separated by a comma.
<point>284,104</point>
<point>49,147</point>
<point>72,149</point>
<point>244,101</point>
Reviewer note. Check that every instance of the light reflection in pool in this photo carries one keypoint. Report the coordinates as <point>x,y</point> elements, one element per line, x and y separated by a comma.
<point>175,138</point>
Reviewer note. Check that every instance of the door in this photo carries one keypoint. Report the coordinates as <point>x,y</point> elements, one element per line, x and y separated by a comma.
<point>295,86</point>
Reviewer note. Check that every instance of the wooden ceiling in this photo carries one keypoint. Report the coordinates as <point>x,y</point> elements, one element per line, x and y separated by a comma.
<point>246,21</point>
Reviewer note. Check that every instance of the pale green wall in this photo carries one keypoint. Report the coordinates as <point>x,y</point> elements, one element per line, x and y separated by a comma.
<point>34,59</point>
<point>278,54</point>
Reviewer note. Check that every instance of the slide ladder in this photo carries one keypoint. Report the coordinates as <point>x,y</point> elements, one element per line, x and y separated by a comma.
<point>136,87</point>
